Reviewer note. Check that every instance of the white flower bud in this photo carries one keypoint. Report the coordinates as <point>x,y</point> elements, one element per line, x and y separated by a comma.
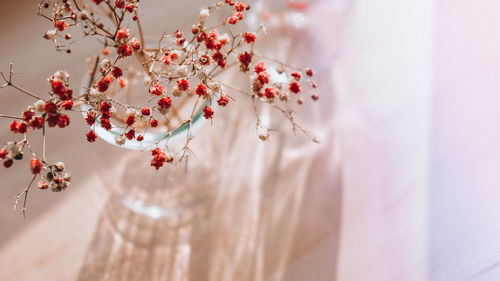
<point>214,86</point>
<point>59,166</point>
<point>182,70</point>
<point>201,75</point>
<point>204,13</point>
<point>83,15</point>
<point>39,106</point>
<point>61,75</point>
<point>284,96</point>
<point>120,140</point>
<point>94,93</point>
<point>105,65</point>
<point>12,149</point>
<point>224,36</point>
<point>50,34</point>
<point>131,111</point>
<point>176,93</point>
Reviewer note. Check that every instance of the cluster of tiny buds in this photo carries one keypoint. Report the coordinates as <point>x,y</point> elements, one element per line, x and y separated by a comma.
<point>213,54</point>
<point>55,177</point>
<point>64,15</point>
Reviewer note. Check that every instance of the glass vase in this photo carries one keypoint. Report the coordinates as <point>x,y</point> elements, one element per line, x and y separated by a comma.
<point>232,211</point>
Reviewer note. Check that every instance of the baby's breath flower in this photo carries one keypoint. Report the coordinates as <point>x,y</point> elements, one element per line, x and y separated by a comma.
<point>50,34</point>
<point>204,14</point>
<point>120,140</point>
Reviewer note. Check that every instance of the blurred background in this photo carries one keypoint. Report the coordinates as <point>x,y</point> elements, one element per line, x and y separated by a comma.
<point>404,185</point>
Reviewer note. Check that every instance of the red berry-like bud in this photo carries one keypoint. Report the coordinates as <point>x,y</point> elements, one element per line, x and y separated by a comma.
<point>90,118</point>
<point>124,50</point>
<point>182,84</point>
<point>102,86</point>
<point>123,34</point>
<point>3,153</point>
<point>91,136</point>
<point>52,120</point>
<point>178,34</point>
<point>195,29</point>
<point>233,19</point>
<point>159,158</point>
<point>37,123</point>
<point>145,111</point>
<point>223,100</point>
<point>259,67</point>
<point>130,8</point>
<point>123,82</point>
<point>13,126</point>
<point>156,90</point>
<point>43,185</point>
<point>140,138</point>
<point>240,6</point>
<point>107,79</point>
<point>130,120</point>
<point>61,25</point>
<point>164,103</point>
<point>245,60</point>
<point>36,166</point>
<point>154,123</point>
<point>263,77</point>
<point>296,76</point>
<point>201,90</point>
<point>117,72</point>
<point>106,115</point>
<point>294,87</point>
<point>249,37</point>
<point>208,112</point>
<point>67,105</point>
<point>106,124</point>
<point>130,134</point>
<point>22,128</point>
<point>50,108</point>
<point>105,106</point>
<point>135,44</point>
<point>271,93</point>
<point>63,121</point>
<point>204,60</point>
<point>57,87</point>
<point>120,4</point>
<point>27,115</point>
<point>7,163</point>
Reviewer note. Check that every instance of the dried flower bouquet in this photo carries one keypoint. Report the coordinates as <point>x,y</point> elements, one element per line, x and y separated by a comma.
<point>179,72</point>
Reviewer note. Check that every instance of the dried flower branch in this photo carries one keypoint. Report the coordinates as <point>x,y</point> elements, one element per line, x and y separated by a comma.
<point>181,71</point>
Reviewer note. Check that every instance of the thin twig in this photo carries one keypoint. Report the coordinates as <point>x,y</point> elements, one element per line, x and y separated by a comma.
<point>9,83</point>
<point>141,34</point>
<point>10,116</point>
<point>25,192</point>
